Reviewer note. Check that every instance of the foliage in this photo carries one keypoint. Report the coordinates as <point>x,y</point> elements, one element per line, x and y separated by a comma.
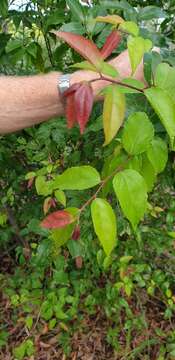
<point>57,275</point>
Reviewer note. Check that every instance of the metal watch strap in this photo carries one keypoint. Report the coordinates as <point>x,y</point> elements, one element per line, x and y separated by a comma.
<point>64,83</point>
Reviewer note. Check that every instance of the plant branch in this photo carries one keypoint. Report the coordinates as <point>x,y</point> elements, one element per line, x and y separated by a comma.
<point>103,183</point>
<point>118,83</point>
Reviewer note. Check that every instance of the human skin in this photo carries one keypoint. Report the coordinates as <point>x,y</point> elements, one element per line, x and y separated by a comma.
<point>29,100</point>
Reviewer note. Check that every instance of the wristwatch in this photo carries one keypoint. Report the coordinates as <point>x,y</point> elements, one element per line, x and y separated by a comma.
<point>64,83</point>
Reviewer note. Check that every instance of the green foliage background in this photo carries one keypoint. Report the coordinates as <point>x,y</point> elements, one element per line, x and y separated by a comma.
<point>40,281</point>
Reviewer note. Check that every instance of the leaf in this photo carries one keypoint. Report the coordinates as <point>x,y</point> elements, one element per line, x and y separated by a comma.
<point>70,111</point>
<point>57,219</point>
<point>148,173</point>
<point>54,18</point>
<point>83,104</point>
<point>43,187</point>
<point>136,48</point>
<point>165,79</point>
<point>164,107</point>
<point>61,197</point>
<point>151,12</point>
<point>3,8</point>
<point>85,65</point>
<point>62,235</point>
<point>113,112</point>
<point>13,44</point>
<point>137,134</point>
<point>76,9</point>
<point>131,82</point>
<point>104,221</point>
<point>47,205</point>
<point>151,61</point>
<point>110,19</point>
<point>77,178</point>
<point>109,70</point>
<point>83,46</point>
<point>74,28</point>
<point>158,154</point>
<point>131,191</point>
<point>111,43</point>
<point>130,27</point>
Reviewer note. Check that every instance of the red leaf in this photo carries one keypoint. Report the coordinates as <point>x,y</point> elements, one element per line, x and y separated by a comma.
<point>30,183</point>
<point>83,105</point>
<point>70,111</point>
<point>58,219</point>
<point>83,46</point>
<point>112,41</point>
<point>79,262</point>
<point>72,89</point>
<point>76,233</point>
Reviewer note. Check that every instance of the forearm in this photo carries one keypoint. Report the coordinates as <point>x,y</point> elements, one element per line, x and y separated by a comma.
<point>25,101</point>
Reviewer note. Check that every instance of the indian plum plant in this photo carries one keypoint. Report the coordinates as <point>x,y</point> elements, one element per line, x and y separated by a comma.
<point>139,155</point>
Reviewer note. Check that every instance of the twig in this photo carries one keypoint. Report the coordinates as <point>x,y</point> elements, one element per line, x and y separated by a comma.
<point>103,183</point>
<point>118,83</point>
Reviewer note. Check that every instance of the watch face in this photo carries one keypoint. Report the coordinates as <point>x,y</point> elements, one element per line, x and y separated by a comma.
<point>64,83</point>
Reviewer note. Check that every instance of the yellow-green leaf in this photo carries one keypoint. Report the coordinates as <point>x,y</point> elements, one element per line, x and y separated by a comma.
<point>113,112</point>
<point>130,27</point>
<point>77,178</point>
<point>110,19</point>
<point>131,191</point>
<point>163,105</point>
<point>104,221</point>
<point>137,46</point>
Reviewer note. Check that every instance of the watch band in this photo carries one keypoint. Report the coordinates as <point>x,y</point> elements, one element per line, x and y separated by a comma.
<point>64,83</point>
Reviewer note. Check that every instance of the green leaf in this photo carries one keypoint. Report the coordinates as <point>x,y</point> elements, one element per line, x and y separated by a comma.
<point>43,187</point>
<point>151,61</point>
<point>109,70</point>
<point>137,46</point>
<point>165,79</point>
<point>148,173</point>
<point>151,12</point>
<point>54,18</point>
<point>113,112</point>
<point>61,197</point>
<point>158,154</point>
<point>73,27</point>
<point>163,105</point>
<point>77,178</point>
<point>32,49</point>
<point>75,248</point>
<point>76,9</point>
<point>3,8</point>
<point>62,235</point>
<point>85,65</point>
<point>13,44</point>
<point>131,191</point>
<point>137,134</point>
<point>130,27</point>
<point>104,221</point>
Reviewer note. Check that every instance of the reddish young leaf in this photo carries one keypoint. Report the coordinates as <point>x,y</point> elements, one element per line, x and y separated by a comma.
<point>30,182</point>
<point>70,111</point>
<point>83,105</point>
<point>79,262</point>
<point>72,89</point>
<point>111,43</point>
<point>58,219</point>
<point>76,233</point>
<point>83,46</point>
